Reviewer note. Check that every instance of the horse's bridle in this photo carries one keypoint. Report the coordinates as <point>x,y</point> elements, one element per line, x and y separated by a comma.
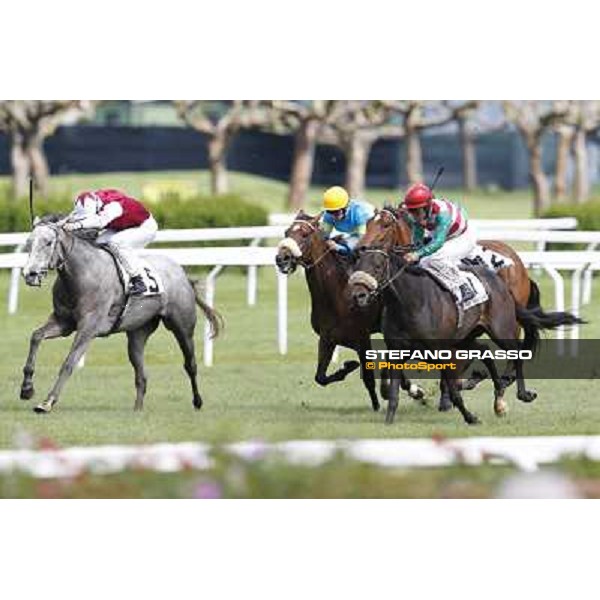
<point>310,265</point>
<point>389,279</point>
<point>59,263</point>
<point>395,250</point>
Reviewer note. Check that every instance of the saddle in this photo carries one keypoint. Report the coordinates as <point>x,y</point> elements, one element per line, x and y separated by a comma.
<point>153,281</point>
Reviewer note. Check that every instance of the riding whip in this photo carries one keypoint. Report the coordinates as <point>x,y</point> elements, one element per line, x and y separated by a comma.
<point>437,177</point>
<point>31,201</point>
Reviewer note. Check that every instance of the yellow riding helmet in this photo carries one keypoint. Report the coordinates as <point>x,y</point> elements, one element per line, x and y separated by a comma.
<point>335,197</point>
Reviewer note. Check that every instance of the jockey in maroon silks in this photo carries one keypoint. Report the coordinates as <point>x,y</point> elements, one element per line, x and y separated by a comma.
<point>126,224</point>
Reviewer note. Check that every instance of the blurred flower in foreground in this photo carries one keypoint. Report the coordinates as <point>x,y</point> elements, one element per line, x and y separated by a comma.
<point>545,484</point>
<point>208,490</point>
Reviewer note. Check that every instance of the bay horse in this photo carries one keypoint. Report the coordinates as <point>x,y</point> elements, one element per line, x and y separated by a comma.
<point>89,299</point>
<point>390,222</point>
<point>417,308</point>
<point>333,317</point>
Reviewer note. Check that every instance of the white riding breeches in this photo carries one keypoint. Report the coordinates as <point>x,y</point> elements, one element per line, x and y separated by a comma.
<point>127,239</point>
<point>455,249</point>
<point>445,261</point>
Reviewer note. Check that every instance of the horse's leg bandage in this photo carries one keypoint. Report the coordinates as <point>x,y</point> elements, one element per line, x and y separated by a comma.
<point>363,278</point>
<point>291,246</point>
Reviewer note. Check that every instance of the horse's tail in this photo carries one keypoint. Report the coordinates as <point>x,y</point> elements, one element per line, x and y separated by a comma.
<point>215,319</point>
<point>534,295</point>
<point>533,319</point>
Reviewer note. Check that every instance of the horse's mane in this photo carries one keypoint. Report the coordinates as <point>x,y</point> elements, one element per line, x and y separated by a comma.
<point>51,218</point>
<point>85,235</point>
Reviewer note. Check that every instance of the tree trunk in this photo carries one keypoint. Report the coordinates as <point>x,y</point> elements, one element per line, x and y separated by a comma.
<point>563,148</point>
<point>357,152</point>
<point>541,191</point>
<point>581,181</point>
<point>39,164</point>
<point>469,155</point>
<point>20,166</point>
<point>217,153</point>
<point>302,163</point>
<point>414,156</point>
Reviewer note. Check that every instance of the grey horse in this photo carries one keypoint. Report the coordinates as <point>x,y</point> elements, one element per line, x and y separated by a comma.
<point>88,299</point>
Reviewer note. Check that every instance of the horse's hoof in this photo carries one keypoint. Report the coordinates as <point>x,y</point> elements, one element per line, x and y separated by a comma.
<point>472,420</point>
<point>375,406</point>
<point>43,408</point>
<point>416,393</point>
<point>527,396</point>
<point>351,365</point>
<point>445,406</point>
<point>27,393</point>
<point>500,408</point>
<point>197,403</point>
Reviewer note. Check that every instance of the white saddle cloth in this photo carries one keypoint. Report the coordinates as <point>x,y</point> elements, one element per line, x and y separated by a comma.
<point>481,256</point>
<point>452,278</point>
<point>153,281</point>
<point>480,294</point>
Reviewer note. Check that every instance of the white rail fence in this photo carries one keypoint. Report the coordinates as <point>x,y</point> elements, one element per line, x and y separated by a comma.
<point>506,229</point>
<point>525,453</point>
<point>579,263</point>
<point>284,220</point>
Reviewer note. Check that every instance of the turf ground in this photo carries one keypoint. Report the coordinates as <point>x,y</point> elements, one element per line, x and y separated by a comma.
<point>252,392</point>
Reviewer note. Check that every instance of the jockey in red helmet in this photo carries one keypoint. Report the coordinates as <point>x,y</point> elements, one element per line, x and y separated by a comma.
<point>440,229</point>
<point>126,224</point>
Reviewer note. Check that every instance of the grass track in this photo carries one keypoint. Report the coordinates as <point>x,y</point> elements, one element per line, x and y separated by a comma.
<point>252,392</point>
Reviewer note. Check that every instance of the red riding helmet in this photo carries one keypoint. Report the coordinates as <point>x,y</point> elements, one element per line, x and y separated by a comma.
<point>417,196</point>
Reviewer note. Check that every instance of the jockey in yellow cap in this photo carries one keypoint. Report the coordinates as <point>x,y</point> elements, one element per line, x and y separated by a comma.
<point>347,216</point>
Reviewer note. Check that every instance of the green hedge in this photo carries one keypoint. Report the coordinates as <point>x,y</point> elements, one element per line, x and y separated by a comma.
<point>171,212</point>
<point>587,214</point>
<point>207,211</point>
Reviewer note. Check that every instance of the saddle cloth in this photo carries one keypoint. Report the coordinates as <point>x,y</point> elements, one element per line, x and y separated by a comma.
<point>453,279</point>
<point>483,257</point>
<point>153,281</point>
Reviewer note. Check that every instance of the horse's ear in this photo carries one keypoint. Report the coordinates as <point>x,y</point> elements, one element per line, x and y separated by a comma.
<point>36,221</point>
<point>301,213</point>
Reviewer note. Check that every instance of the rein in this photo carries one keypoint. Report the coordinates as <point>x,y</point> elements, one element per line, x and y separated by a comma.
<point>302,260</point>
<point>390,279</point>
<point>60,264</point>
